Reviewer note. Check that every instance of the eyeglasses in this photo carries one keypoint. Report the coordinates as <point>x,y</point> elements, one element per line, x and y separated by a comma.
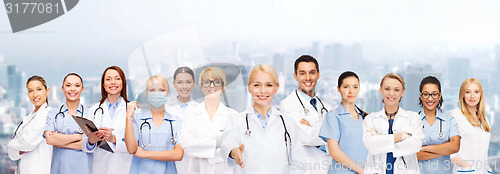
<point>207,83</point>
<point>434,95</point>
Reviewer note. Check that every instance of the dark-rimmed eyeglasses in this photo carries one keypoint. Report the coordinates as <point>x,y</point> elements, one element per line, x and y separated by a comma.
<point>434,95</point>
<point>207,83</point>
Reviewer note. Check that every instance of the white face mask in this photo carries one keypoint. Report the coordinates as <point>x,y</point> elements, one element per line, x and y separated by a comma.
<point>157,99</point>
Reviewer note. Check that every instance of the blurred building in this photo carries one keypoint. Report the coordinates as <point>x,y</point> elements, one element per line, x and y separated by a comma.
<point>413,75</point>
<point>11,80</point>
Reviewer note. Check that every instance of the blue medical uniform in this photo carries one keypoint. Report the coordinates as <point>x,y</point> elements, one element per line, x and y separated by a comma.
<point>449,129</point>
<point>68,160</point>
<point>160,141</point>
<point>340,126</point>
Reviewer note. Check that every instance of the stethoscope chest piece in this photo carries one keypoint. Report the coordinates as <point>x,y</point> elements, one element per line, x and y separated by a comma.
<point>440,135</point>
<point>248,133</point>
<point>172,140</point>
<point>306,111</point>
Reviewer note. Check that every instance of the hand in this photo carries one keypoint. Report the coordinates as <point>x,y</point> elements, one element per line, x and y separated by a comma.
<point>305,122</point>
<point>140,153</point>
<point>51,133</point>
<point>94,136</point>
<point>372,131</point>
<point>131,107</point>
<point>236,154</point>
<point>108,134</point>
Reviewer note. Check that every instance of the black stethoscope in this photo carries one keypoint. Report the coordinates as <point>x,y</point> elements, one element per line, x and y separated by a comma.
<point>15,132</point>
<point>440,135</point>
<point>172,140</point>
<point>102,112</point>
<point>288,138</point>
<point>306,111</point>
<point>60,112</point>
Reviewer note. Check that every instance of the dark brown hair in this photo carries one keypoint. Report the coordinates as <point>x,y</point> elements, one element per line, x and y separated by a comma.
<point>123,93</point>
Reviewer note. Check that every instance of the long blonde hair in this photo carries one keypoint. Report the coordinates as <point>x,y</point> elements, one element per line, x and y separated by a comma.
<point>480,106</point>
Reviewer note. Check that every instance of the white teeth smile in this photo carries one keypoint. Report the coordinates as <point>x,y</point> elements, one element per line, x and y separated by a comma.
<point>113,88</point>
<point>72,94</point>
<point>430,103</point>
<point>308,84</point>
<point>262,97</point>
<point>37,99</point>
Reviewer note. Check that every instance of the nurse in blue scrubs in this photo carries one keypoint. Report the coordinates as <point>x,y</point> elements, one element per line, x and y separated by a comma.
<point>152,135</point>
<point>65,135</point>
<point>441,131</point>
<point>343,129</point>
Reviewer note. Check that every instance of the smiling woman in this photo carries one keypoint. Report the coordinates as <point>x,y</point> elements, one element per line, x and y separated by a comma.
<point>392,135</point>
<point>27,145</point>
<point>474,129</point>
<point>262,139</point>
<point>203,125</point>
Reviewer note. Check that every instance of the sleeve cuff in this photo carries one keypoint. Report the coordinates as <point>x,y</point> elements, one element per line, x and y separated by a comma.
<point>90,147</point>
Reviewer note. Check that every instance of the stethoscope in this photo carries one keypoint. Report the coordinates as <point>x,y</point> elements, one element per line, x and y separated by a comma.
<point>440,135</point>
<point>172,140</point>
<point>60,112</point>
<point>102,112</point>
<point>15,132</point>
<point>288,138</point>
<point>306,111</point>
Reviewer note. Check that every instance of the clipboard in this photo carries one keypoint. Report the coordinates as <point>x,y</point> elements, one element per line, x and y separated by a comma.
<point>82,122</point>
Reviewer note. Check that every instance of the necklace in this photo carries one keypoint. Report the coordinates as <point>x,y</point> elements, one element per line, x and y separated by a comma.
<point>391,114</point>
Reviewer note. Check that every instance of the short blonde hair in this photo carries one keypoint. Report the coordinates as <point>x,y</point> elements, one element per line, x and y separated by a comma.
<point>264,68</point>
<point>481,111</point>
<point>393,76</point>
<point>159,78</point>
<point>215,72</point>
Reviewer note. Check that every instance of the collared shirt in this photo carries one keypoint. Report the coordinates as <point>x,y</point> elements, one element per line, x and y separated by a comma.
<point>307,97</point>
<point>263,121</point>
<point>156,139</point>
<point>112,107</point>
<point>340,126</point>
<point>68,160</point>
<point>183,105</point>
<point>449,129</point>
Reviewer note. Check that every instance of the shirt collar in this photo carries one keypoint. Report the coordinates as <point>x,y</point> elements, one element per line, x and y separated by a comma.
<point>78,110</point>
<point>438,115</point>
<point>180,103</point>
<point>113,104</point>
<point>260,116</point>
<point>341,110</point>
<point>307,97</point>
<point>166,116</point>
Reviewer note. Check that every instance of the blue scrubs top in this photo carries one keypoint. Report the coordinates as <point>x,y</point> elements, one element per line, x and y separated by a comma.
<point>160,141</point>
<point>340,126</point>
<point>449,129</point>
<point>68,160</point>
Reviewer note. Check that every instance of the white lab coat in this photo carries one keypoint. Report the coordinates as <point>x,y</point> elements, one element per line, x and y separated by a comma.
<point>174,108</point>
<point>38,153</point>
<point>106,162</point>
<point>199,138</point>
<point>265,150</point>
<point>290,106</point>
<point>474,144</point>
<point>380,144</point>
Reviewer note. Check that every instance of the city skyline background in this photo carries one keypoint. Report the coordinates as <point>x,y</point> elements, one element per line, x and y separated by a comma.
<point>452,40</point>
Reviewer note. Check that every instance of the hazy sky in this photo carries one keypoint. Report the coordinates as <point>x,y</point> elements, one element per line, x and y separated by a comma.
<point>101,33</point>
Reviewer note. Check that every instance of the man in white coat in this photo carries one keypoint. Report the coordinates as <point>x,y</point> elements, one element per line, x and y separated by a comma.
<point>308,111</point>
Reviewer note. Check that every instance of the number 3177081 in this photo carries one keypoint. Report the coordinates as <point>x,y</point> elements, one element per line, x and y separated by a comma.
<point>37,8</point>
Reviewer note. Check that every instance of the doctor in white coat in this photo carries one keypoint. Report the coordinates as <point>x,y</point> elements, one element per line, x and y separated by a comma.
<point>392,135</point>
<point>204,124</point>
<point>308,111</point>
<point>184,83</point>
<point>27,144</point>
<point>262,139</point>
<point>109,115</point>
<point>474,128</point>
